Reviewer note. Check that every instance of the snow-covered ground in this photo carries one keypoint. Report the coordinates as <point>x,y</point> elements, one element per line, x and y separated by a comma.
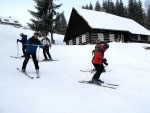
<point>58,90</point>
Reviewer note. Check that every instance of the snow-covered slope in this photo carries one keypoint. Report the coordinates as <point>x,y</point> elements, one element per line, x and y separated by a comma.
<point>57,91</point>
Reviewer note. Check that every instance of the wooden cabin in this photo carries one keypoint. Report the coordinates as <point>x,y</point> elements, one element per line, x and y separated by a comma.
<point>9,21</point>
<point>85,26</point>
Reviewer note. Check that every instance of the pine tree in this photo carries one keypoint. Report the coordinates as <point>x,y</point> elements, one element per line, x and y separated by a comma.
<point>140,11</point>
<point>61,25</point>
<point>125,11</point>
<point>117,8</point>
<point>112,7</point>
<point>109,7</point>
<point>131,9</point>
<point>91,6</point>
<point>86,7</point>
<point>83,7</point>
<point>120,9</point>
<point>46,16</point>
<point>135,11</point>
<point>148,17</point>
<point>97,6</point>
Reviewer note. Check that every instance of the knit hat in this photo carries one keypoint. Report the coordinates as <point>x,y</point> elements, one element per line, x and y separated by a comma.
<point>21,34</point>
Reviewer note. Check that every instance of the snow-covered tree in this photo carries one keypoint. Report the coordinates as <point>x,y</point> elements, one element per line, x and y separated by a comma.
<point>46,16</point>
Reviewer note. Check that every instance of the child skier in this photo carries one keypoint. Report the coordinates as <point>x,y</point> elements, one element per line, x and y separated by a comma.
<point>98,61</point>
<point>46,44</point>
<point>23,40</point>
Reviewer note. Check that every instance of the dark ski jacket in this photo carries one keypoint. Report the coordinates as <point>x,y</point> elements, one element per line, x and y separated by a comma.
<point>23,40</point>
<point>32,45</point>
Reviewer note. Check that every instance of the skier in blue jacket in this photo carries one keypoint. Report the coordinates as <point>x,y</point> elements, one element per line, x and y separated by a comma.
<point>32,45</point>
<point>23,40</point>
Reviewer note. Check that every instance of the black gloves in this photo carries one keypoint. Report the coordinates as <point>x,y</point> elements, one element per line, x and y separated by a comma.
<point>17,40</point>
<point>105,61</point>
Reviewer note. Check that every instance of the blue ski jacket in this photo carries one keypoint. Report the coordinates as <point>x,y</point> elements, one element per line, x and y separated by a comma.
<point>23,40</point>
<point>32,45</point>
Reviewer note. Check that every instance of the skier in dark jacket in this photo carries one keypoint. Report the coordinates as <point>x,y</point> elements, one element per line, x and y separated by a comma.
<point>32,45</point>
<point>46,44</point>
<point>23,40</point>
<point>98,61</point>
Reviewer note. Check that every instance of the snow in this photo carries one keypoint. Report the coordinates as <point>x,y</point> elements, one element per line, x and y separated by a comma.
<point>57,89</point>
<point>102,20</point>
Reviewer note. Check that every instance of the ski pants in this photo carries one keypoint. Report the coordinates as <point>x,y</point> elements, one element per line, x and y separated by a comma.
<point>27,57</point>
<point>99,69</point>
<point>24,49</point>
<point>46,52</point>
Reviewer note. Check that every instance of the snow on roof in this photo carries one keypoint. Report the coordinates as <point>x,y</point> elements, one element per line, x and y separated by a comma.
<point>102,20</point>
<point>9,20</point>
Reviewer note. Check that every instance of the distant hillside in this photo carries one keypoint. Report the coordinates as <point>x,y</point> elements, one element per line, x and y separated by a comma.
<point>13,33</point>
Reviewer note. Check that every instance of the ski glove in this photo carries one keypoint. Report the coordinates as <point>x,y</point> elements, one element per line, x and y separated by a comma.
<point>105,61</point>
<point>17,40</point>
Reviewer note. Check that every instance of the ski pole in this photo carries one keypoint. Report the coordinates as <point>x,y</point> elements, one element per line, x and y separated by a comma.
<point>17,49</point>
<point>38,54</point>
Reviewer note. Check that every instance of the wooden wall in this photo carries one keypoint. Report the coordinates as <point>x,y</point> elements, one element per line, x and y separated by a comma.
<point>90,37</point>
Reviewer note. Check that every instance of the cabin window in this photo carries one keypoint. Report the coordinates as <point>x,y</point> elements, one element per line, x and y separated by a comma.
<point>101,36</point>
<point>122,38</point>
<point>70,42</point>
<point>77,41</point>
<point>111,36</point>
<point>139,37</point>
<point>16,21</point>
<point>148,38</point>
<point>144,38</point>
<point>83,38</point>
<point>6,20</point>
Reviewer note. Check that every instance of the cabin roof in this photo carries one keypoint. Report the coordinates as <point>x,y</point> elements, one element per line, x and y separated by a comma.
<point>103,20</point>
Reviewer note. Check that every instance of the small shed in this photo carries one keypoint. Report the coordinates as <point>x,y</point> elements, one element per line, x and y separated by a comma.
<point>9,21</point>
<point>85,26</point>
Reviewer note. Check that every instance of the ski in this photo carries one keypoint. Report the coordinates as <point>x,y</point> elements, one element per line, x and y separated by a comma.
<point>86,70</point>
<point>113,86</point>
<point>16,57</point>
<point>25,74</point>
<point>92,71</point>
<point>47,60</point>
<point>84,81</point>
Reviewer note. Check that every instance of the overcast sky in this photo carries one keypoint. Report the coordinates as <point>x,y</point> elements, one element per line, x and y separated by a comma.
<point>17,9</point>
